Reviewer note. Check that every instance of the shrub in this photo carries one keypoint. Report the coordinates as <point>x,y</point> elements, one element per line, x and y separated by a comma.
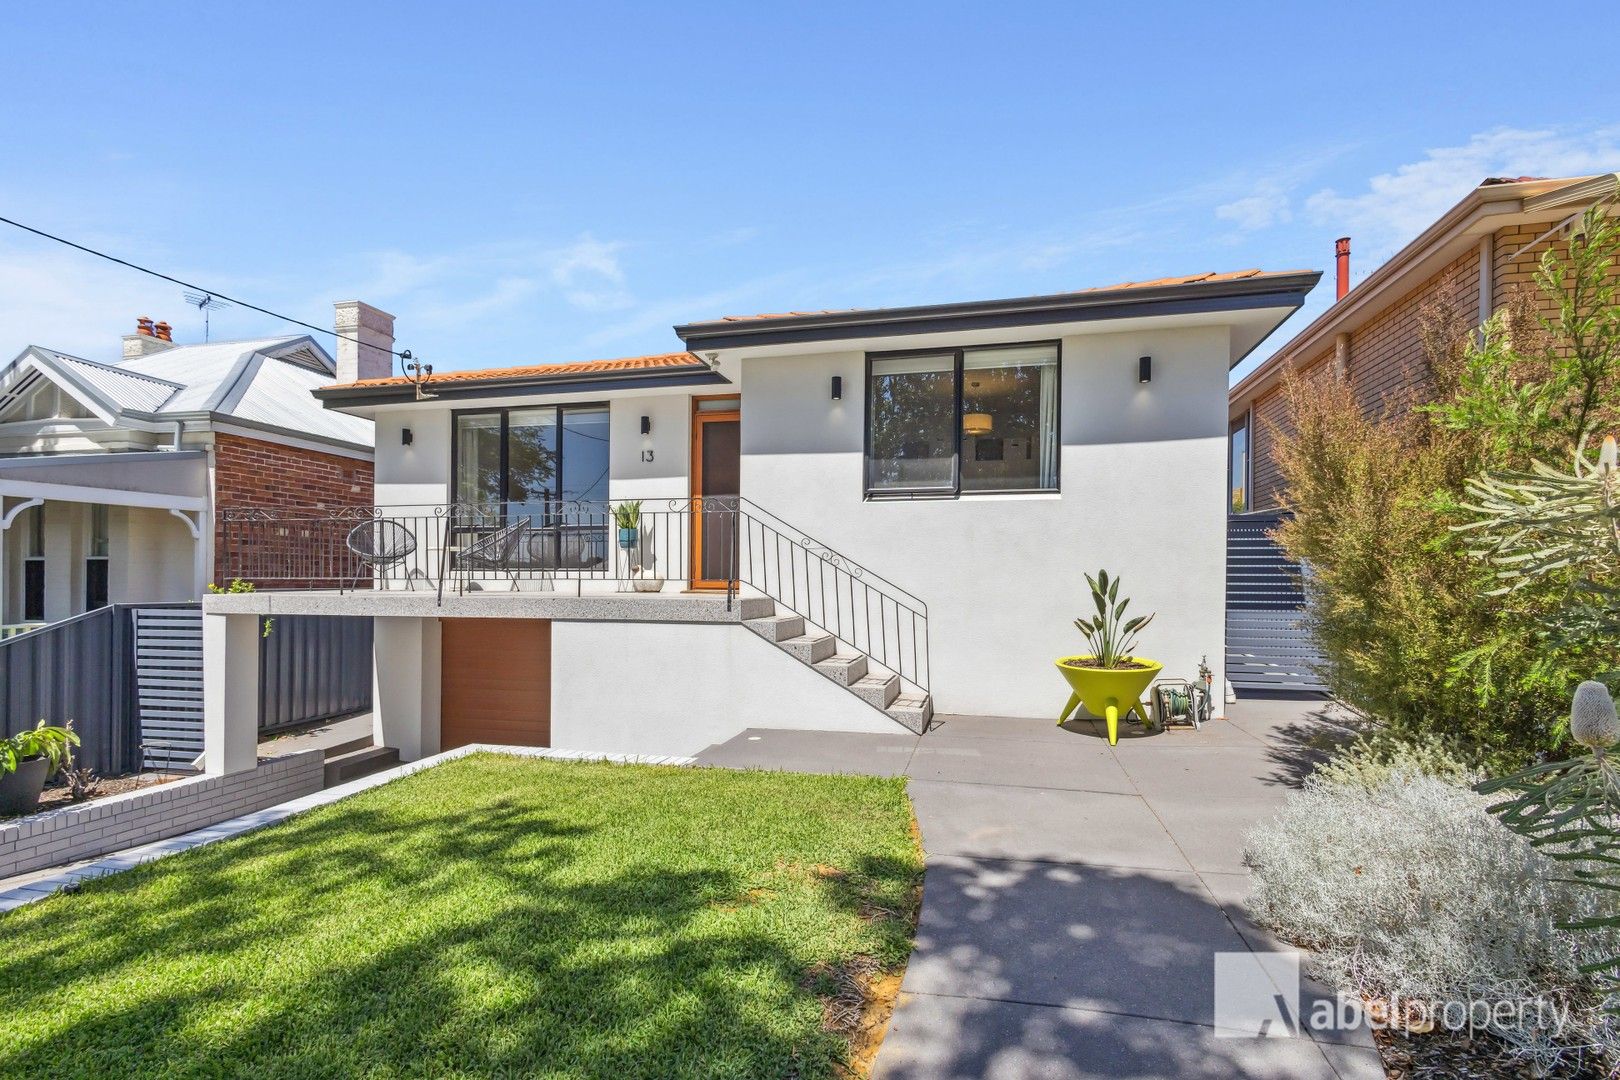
<point>1370,761</point>
<point>1394,599</point>
<point>1411,630</point>
<point>1407,888</point>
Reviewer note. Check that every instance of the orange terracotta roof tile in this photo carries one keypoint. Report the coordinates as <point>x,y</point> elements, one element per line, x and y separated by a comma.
<point>1189,279</point>
<point>537,371</point>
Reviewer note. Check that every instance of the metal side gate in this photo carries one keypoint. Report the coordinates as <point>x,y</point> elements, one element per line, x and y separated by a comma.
<point>1267,646</point>
<point>169,685</point>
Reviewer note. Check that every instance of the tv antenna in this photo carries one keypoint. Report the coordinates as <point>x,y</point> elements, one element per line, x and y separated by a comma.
<point>205,303</point>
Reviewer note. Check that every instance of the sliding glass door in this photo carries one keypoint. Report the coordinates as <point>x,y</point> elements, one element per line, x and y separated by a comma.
<point>547,464</point>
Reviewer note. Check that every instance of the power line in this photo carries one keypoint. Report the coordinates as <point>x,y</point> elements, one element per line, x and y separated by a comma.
<point>403,355</point>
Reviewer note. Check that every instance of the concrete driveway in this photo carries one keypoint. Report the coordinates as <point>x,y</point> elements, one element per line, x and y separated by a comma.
<point>1076,893</point>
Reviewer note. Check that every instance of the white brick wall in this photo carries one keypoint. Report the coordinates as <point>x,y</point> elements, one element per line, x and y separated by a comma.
<point>71,833</point>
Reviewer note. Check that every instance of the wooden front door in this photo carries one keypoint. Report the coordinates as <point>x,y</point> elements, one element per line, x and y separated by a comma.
<point>716,477</point>
<point>495,682</point>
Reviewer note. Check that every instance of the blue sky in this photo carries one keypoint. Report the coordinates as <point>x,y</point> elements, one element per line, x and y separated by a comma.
<point>524,183</point>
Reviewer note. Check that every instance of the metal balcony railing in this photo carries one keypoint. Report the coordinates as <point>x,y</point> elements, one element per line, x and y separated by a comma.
<point>720,543</point>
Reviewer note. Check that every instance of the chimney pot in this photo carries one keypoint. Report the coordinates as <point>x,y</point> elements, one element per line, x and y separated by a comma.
<point>148,338</point>
<point>365,341</point>
<point>1341,256</point>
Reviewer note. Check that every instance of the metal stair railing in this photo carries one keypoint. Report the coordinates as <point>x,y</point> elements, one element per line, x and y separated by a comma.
<point>851,602</point>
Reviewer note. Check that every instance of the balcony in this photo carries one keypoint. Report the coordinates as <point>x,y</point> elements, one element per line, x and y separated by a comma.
<point>684,560</point>
<point>457,549</point>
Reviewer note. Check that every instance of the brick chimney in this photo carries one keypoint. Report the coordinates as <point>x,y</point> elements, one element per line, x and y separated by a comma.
<point>365,342</point>
<point>148,338</point>
<point>1341,256</point>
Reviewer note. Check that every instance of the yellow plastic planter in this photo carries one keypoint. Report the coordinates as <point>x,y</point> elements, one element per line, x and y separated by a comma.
<point>1106,692</point>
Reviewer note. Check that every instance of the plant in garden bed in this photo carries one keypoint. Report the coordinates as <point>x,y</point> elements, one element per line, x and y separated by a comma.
<point>1530,527</point>
<point>27,760</point>
<point>1411,894</point>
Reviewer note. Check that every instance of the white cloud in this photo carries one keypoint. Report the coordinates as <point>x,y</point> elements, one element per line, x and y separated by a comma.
<point>484,280</point>
<point>587,258</point>
<point>1259,211</point>
<point>1396,206</point>
<point>66,300</point>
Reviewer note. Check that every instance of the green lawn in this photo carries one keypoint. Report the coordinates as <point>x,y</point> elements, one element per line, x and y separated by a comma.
<point>493,916</point>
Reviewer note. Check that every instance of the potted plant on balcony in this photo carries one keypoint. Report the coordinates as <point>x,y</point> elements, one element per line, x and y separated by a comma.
<point>27,760</point>
<point>627,516</point>
<point>1109,678</point>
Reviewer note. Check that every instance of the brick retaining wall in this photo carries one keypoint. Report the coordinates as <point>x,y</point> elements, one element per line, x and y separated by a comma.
<point>69,833</point>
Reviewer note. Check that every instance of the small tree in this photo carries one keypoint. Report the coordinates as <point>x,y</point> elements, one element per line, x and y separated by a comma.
<point>1566,526</point>
<point>1413,630</point>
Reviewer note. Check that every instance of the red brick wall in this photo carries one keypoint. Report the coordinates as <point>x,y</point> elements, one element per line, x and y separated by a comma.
<point>264,475</point>
<point>1387,366</point>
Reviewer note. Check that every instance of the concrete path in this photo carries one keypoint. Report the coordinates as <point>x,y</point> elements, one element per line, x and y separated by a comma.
<point>1077,893</point>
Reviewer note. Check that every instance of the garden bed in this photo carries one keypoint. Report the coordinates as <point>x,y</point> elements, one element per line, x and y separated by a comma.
<point>56,796</point>
<point>491,915</point>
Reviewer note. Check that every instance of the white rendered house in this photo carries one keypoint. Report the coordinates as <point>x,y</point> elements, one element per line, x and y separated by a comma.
<point>858,518</point>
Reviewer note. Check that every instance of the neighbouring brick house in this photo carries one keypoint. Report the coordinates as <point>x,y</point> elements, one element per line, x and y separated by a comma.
<point>115,477</point>
<point>1474,259</point>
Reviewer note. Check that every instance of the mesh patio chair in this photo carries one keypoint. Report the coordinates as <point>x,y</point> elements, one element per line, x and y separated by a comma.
<point>497,551</point>
<point>380,543</point>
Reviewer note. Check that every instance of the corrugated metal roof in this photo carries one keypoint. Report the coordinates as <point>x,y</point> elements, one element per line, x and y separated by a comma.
<point>279,395</point>
<point>264,381</point>
<point>127,390</point>
<point>206,373</point>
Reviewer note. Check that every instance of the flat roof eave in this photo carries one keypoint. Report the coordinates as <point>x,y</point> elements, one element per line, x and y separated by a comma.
<point>1276,290</point>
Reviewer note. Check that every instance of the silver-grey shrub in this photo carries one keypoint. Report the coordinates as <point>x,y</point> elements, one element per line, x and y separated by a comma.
<point>1403,885</point>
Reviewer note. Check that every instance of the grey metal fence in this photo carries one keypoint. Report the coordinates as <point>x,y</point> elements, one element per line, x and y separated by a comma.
<point>79,669</point>
<point>1267,644</point>
<point>313,667</point>
<point>87,669</point>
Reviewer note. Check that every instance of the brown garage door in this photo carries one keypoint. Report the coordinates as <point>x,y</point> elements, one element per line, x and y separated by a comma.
<point>495,682</point>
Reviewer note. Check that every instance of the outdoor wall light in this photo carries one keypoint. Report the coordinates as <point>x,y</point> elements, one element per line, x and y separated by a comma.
<point>405,437</point>
<point>838,388</point>
<point>1144,369</point>
<point>646,425</point>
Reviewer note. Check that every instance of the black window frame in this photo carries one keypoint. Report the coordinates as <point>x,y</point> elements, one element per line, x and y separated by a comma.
<point>504,412</point>
<point>955,491</point>
<point>1246,425</point>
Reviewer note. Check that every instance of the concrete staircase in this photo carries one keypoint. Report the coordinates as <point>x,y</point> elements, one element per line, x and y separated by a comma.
<point>856,672</point>
<point>356,758</point>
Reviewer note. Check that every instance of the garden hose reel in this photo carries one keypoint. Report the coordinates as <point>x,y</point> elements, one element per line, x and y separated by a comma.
<point>1180,701</point>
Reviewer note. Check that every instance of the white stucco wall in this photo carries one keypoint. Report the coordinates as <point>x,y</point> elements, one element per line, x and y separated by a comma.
<point>419,474</point>
<point>676,688</point>
<point>1142,479</point>
<point>152,557</point>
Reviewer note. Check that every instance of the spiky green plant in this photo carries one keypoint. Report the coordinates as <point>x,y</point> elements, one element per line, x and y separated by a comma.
<point>1542,523</point>
<point>1570,810</point>
<point>627,515</point>
<point>1109,635</point>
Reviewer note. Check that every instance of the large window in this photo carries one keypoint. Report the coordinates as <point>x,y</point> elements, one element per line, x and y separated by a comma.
<point>963,420</point>
<point>1237,468</point>
<point>532,459</point>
